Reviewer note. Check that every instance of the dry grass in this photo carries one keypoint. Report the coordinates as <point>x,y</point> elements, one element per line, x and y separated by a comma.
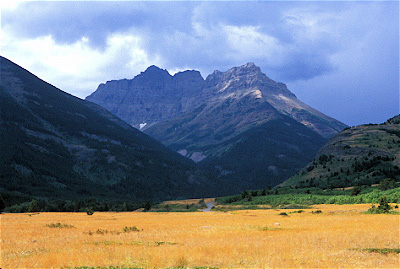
<point>219,239</point>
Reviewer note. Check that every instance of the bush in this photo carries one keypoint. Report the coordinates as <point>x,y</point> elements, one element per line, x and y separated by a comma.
<point>59,225</point>
<point>130,229</point>
<point>147,206</point>
<point>2,204</point>
<point>387,184</point>
<point>89,211</point>
<point>298,211</point>
<point>316,212</point>
<point>383,208</point>
<point>356,191</point>
<point>34,206</point>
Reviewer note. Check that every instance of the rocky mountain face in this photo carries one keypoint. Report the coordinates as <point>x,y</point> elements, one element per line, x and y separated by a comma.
<point>54,145</point>
<point>248,129</point>
<point>155,96</point>
<point>151,97</point>
<point>237,100</point>
<point>361,155</point>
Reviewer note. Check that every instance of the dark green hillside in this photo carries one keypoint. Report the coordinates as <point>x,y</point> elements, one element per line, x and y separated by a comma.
<point>265,155</point>
<point>54,145</point>
<point>361,155</point>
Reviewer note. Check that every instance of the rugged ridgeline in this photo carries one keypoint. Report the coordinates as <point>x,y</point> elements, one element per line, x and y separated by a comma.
<point>150,97</point>
<point>361,155</point>
<point>250,130</point>
<point>56,145</point>
<point>155,96</point>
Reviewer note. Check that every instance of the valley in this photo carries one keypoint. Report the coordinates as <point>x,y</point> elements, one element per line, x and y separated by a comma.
<point>339,236</point>
<point>199,134</point>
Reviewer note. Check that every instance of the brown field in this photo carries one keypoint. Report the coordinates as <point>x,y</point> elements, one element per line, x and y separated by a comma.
<point>246,239</point>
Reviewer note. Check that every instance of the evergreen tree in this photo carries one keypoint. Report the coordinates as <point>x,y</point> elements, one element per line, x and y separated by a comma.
<point>34,206</point>
<point>384,205</point>
<point>89,211</point>
<point>2,204</point>
<point>356,191</point>
<point>147,206</point>
<point>387,184</point>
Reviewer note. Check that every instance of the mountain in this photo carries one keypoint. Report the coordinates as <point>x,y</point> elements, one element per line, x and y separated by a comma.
<point>242,131</point>
<point>54,145</point>
<point>263,156</point>
<point>236,101</point>
<point>249,130</point>
<point>360,155</point>
<point>151,97</point>
<point>155,96</point>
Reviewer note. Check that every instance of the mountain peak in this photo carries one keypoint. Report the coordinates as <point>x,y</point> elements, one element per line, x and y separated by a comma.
<point>153,70</point>
<point>187,74</point>
<point>249,65</point>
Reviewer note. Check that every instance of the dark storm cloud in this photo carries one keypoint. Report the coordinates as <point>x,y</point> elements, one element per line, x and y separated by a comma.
<point>183,33</point>
<point>68,21</point>
<point>327,52</point>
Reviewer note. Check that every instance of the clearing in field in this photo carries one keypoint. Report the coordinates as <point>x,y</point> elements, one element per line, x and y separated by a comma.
<point>324,236</point>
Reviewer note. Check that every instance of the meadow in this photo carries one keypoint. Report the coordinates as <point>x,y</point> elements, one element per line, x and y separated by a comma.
<point>319,237</point>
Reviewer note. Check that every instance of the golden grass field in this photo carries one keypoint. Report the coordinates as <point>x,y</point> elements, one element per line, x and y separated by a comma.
<point>238,239</point>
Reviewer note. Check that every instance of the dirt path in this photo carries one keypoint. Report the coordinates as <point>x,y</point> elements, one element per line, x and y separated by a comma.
<point>209,206</point>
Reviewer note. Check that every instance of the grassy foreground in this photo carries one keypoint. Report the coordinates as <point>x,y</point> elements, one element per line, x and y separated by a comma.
<point>338,236</point>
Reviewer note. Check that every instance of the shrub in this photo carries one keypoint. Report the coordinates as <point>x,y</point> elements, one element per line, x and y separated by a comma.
<point>284,214</point>
<point>383,250</point>
<point>59,225</point>
<point>34,206</point>
<point>130,229</point>
<point>383,208</point>
<point>264,192</point>
<point>387,184</point>
<point>89,211</point>
<point>316,212</point>
<point>2,204</point>
<point>356,191</point>
<point>147,206</point>
<point>298,211</point>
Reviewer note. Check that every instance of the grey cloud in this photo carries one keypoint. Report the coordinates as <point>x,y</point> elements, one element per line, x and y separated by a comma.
<point>317,43</point>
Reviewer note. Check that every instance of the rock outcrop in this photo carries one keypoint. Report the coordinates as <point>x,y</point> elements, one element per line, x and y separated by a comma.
<point>151,97</point>
<point>155,96</point>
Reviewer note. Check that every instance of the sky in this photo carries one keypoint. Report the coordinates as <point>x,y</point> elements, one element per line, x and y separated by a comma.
<point>340,57</point>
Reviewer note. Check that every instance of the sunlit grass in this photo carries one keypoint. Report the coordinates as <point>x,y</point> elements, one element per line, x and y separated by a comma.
<point>247,238</point>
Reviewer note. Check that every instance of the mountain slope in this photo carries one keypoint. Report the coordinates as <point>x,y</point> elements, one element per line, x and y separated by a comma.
<point>239,135</point>
<point>264,155</point>
<point>56,145</point>
<point>364,154</point>
<point>237,100</point>
<point>155,96</point>
<point>225,117</point>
